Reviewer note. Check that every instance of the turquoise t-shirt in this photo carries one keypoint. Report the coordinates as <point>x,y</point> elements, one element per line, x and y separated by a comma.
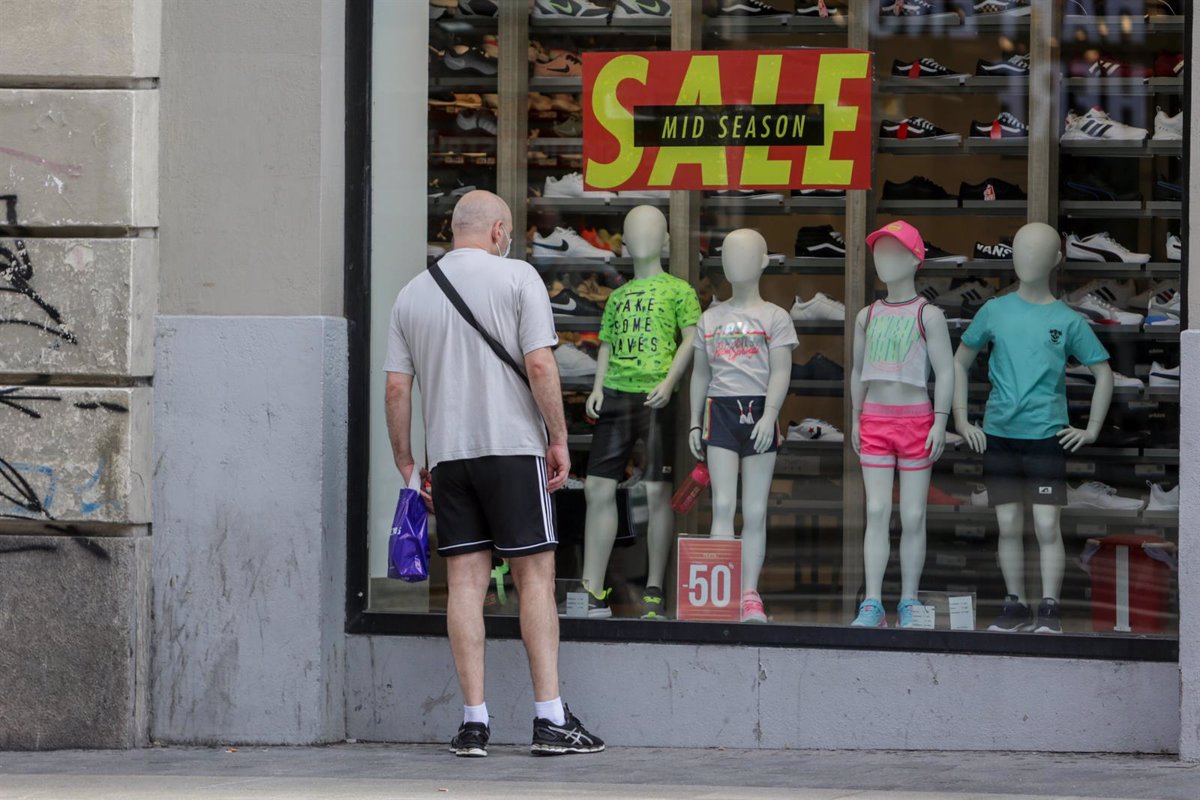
<point>1030,347</point>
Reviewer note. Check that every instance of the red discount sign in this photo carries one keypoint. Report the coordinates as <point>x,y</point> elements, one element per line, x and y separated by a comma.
<point>710,579</point>
<point>762,119</point>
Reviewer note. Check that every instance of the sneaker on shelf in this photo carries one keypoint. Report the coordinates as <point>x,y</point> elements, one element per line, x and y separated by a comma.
<point>935,254</point>
<point>870,614</point>
<point>566,103</point>
<point>566,303</point>
<point>820,241</point>
<point>1102,247</point>
<point>1168,64</point>
<point>1174,247</point>
<point>815,193</point>
<point>1106,66</point>
<point>476,121</point>
<point>434,250</point>
<point>991,189</point>
<point>1013,67</point>
<point>930,288</point>
<point>752,607</point>
<point>1094,494</point>
<point>573,362</point>
<point>917,187</point>
<point>818,368</point>
<point>1163,310</point>
<point>1165,288</point>
<point>1162,499</point>
<point>968,290</point>
<point>569,128</point>
<point>904,615</point>
<point>979,498</point>
<point>538,102</point>
<point>559,64</point>
<point>1001,251</point>
<point>1080,375</point>
<point>578,10</point>
<point>1005,126</point>
<point>906,8</point>
<point>1167,191</point>
<point>641,9</point>
<point>915,128</point>
<point>591,289</point>
<point>1014,617</point>
<point>762,195</point>
<point>1119,293</point>
<point>1096,125</point>
<point>1114,436</point>
<point>1163,378</point>
<point>471,741</point>
<point>571,186</point>
<point>653,606</point>
<point>749,9</point>
<point>1010,8</point>
<point>469,59</point>
<point>936,497</point>
<point>566,243</point>
<point>1168,128</point>
<point>818,9</point>
<point>953,439</point>
<point>1099,311</point>
<point>592,237</point>
<point>550,739</point>
<point>819,308</point>
<point>812,429</point>
<point>1049,617</point>
<point>923,68</point>
<point>478,8</point>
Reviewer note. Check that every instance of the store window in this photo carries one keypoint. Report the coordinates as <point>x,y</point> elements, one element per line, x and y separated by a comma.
<point>986,118</point>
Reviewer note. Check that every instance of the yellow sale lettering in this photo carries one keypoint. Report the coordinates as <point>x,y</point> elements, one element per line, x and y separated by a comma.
<point>617,120</point>
<point>819,168</point>
<point>701,87</point>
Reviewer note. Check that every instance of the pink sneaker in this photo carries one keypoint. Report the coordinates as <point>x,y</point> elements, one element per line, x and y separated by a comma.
<point>752,607</point>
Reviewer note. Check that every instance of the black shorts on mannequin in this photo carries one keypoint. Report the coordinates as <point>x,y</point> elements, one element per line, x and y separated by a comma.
<point>497,503</point>
<point>729,421</point>
<point>624,419</point>
<point>1032,471</point>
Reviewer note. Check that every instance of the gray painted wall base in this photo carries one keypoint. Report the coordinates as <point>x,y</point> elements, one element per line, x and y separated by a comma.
<point>405,690</point>
<point>249,529</point>
<point>1189,547</point>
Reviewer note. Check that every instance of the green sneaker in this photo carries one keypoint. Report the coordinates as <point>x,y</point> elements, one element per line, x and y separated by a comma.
<point>652,603</point>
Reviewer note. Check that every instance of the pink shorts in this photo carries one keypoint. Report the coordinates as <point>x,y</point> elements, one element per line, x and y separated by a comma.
<point>894,436</point>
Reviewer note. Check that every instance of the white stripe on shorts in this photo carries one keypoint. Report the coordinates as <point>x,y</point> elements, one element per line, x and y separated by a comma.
<point>547,515</point>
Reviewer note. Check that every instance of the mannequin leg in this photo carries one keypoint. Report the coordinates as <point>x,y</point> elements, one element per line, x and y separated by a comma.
<point>600,529</point>
<point>1053,555</point>
<point>877,549</point>
<point>1010,517</point>
<point>660,531</point>
<point>723,468</point>
<point>757,472</point>
<point>914,498</point>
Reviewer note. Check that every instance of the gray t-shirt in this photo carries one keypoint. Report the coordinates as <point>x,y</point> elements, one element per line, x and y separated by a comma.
<point>474,405</point>
<point>738,344</point>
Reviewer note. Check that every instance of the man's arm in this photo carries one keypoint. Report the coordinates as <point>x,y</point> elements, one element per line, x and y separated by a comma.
<point>547,393</point>
<point>398,406</point>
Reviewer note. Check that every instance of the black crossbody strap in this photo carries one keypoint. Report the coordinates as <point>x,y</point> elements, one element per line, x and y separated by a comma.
<point>456,300</point>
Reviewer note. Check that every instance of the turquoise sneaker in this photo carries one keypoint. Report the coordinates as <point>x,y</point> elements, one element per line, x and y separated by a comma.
<point>870,614</point>
<point>904,611</point>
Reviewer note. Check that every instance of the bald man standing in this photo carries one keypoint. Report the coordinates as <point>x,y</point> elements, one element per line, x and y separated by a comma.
<point>493,467</point>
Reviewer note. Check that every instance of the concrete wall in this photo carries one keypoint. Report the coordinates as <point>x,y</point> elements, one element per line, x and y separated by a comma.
<point>80,39</point>
<point>1189,542</point>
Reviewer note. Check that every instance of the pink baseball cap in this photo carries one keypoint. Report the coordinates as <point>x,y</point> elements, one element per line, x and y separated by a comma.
<point>908,236</point>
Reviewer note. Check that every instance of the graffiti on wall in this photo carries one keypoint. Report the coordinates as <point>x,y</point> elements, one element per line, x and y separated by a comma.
<point>16,278</point>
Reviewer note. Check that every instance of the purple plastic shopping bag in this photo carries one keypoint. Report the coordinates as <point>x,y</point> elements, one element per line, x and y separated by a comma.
<point>408,546</point>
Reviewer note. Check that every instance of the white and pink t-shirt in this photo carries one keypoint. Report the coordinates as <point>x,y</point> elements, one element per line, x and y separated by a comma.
<point>738,342</point>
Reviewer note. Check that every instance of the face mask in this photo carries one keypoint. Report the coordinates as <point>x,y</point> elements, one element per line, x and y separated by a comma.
<point>507,247</point>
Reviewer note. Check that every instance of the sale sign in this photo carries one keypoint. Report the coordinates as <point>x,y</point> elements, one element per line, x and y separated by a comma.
<point>710,579</point>
<point>729,119</point>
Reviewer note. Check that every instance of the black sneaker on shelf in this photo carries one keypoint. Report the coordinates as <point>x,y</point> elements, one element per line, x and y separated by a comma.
<point>1167,190</point>
<point>923,68</point>
<point>915,188</point>
<point>471,741</point>
<point>470,59</point>
<point>749,9</point>
<point>935,253</point>
<point>1049,618</point>
<point>1000,251</point>
<point>1115,436</point>
<point>567,303</point>
<point>478,8</point>
<point>1005,126</point>
<point>1014,67</point>
<point>991,189</point>
<point>915,128</point>
<point>1012,8</point>
<point>653,606</point>
<point>1093,188</point>
<point>906,8</point>
<point>570,737</point>
<point>819,368</point>
<point>820,241</point>
<point>746,194</point>
<point>1014,617</point>
<point>818,193</point>
<point>818,9</point>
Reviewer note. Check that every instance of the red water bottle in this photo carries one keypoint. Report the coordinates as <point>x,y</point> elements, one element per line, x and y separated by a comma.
<point>693,486</point>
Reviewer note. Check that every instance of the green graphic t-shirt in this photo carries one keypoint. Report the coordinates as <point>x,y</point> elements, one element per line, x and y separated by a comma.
<point>641,326</point>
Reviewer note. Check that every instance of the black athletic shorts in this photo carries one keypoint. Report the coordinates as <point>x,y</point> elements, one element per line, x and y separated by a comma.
<point>1032,471</point>
<point>624,419</point>
<point>729,421</point>
<point>495,503</point>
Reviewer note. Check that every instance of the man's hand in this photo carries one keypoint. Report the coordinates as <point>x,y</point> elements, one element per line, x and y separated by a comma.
<point>406,471</point>
<point>661,395</point>
<point>558,466</point>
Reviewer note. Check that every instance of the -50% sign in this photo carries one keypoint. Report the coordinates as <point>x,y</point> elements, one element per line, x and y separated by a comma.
<point>710,579</point>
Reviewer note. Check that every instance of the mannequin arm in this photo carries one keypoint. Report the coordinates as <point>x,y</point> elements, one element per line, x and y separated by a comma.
<point>701,375</point>
<point>1073,438</point>
<point>683,356</point>
<point>858,392</point>
<point>777,388</point>
<point>941,358</point>
<point>596,398</point>
<point>963,359</point>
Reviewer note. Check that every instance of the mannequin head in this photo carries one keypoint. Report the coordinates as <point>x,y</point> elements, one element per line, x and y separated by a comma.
<point>744,256</point>
<point>898,250</point>
<point>645,232</point>
<point>1037,250</point>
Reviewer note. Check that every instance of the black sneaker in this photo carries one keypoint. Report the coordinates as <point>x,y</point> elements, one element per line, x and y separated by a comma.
<point>820,241</point>
<point>1012,8</point>
<point>570,737</point>
<point>991,189</point>
<point>915,128</point>
<point>652,603</point>
<point>1166,190</point>
<point>471,59</point>
<point>818,192</point>
<point>749,9</point>
<point>1014,617</point>
<point>992,252</point>
<point>1005,126</point>
<point>923,68</point>
<point>567,303</point>
<point>915,188</point>
<point>1015,67</point>
<point>1049,618</point>
<point>1096,189</point>
<point>471,740</point>
<point>935,253</point>
<point>819,368</point>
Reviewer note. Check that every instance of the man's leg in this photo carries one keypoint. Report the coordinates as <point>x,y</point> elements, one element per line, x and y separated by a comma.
<point>468,576</point>
<point>534,576</point>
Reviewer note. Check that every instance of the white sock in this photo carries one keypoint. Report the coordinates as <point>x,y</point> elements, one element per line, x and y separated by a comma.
<point>476,713</point>
<point>551,710</point>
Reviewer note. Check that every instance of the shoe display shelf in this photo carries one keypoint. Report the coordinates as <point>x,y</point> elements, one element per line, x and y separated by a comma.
<point>1132,87</point>
<point>1121,209</point>
<point>615,25</point>
<point>969,146</point>
<point>1148,148</point>
<point>963,84</point>
<point>1114,29</point>
<point>1152,269</point>
<point>953,206</point>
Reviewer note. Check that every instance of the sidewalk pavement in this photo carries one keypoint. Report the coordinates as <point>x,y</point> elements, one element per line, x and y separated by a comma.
<point>399,772</point>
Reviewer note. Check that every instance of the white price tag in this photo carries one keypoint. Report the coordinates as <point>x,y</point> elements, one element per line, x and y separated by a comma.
<point>962,613</point>
<point>577,604</point>
<point>924,617</point>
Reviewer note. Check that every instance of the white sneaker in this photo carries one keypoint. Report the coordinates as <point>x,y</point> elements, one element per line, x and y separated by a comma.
<point>632,9</point>
<point>1174,247</point>
<point>1168,128</point>
<point>1097,125</point>
<point>812,429</point>
<point>1163,378</point>
<point>1099,311</point>
<point>979,498</point>
<point>1094,494</point>
<point>1165,288</point>
<point>1079,375</point>
<point>930,288</point>
<point>566,243</point>
<point>1163,309</point>
<point>1102,247</point>
<point>819,307</point>
<point>1161,499</point>
<point>573,362</point>
<point>573,483</point>
<point>579,10</point>
<point>571,185</point>
<point>434,250</point>
<point>973,291</point>
<point>1116,292</point>
<point>953,439</point>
